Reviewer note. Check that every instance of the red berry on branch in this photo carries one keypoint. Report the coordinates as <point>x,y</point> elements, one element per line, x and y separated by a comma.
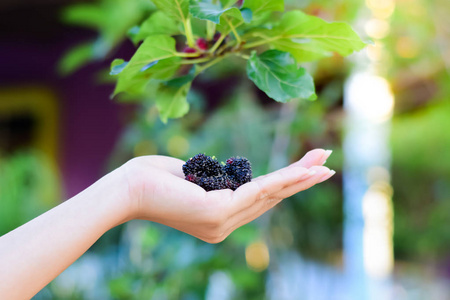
<point>239,3</point>
<point>189,50</point>
<point>202,44</point>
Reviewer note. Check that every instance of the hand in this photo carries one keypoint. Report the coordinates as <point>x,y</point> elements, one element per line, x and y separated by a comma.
<point>159,193</point>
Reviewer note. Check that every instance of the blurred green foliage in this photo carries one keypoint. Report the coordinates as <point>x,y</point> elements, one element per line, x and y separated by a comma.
<point>111,19</point>
<point>421,176</point>
<point>28,188</point>
<point>416,61</point>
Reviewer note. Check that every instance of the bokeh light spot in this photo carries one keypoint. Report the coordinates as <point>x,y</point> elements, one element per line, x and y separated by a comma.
<point>257,256</point>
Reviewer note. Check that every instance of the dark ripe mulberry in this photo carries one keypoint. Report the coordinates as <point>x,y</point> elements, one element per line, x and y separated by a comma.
<point>239,169</point>
<point>212,183</point>
<point>217,183</point>
<point>202,165</point>
<point>209,174</point>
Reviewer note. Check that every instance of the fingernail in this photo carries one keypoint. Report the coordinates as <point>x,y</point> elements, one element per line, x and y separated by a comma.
<point>327,175</point>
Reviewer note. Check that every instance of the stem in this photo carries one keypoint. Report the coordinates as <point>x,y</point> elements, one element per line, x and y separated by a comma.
<point>188,32</point>
<point>210,64</point>
<point>255,44</point>
<point>238,39</point>
<point>182,54</point>
<point>244,56</point>
<point>210,30</point>
<point>195,61</point>
<point>217,44</point>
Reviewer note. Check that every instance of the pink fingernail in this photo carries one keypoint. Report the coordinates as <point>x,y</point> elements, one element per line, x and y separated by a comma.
<point>327,175</point>
<point>327,154</point>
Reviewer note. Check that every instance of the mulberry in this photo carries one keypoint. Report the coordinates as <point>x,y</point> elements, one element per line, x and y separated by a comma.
<point>202,165</point>
<point>209,174</point>
<point>239,169</point>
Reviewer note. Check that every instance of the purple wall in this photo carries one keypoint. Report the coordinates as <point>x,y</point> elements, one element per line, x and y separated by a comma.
<point>90,121</point>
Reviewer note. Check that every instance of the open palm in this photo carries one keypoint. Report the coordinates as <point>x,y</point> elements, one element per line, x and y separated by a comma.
<point>161,194</point>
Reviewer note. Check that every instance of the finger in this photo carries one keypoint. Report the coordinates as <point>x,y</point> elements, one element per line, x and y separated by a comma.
<point>316,175</point>
<point>285,169</point>
<point>257,210</point>
<point>316,157</point>
<point>322,174</point>
<point>256,190</point>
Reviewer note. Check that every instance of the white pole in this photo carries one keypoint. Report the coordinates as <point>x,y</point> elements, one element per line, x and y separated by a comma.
<point>367,192</point>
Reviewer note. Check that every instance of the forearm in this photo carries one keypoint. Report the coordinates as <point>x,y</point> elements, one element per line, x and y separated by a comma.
<point>35,253</point>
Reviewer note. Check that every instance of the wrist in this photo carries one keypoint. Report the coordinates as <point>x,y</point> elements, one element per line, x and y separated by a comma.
<point>133,186</point>
<point>112,195</point>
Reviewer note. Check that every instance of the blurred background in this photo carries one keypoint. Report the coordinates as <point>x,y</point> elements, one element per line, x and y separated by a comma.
<point>379,229</point>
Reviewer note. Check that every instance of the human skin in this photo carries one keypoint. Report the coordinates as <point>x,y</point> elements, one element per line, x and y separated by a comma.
<point>151,188</point>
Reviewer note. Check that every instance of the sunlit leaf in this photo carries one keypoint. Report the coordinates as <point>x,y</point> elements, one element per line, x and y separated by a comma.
<point>309,38</point>
<point>157,23</point>
<point>260,7</point>
<point>206,11</point>
<point>171,96</point>
<point>227,3</point>
<point>233,18</point>
<point>155,59</point>
<point>276,73</point>
<point>226,18</point>
<point>171,101</point>
<point>176,9</point>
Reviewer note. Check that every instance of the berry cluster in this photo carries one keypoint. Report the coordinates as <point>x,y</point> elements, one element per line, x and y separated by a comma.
<point>208,173</point>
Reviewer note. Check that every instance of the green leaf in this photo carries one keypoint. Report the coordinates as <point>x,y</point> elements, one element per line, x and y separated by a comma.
<point>182,80</point>
<point>171,101</point>
<point>155,59</point>
<point>227,3</point>
<point>86,15</point>
<point>171,96</point>
<point>310,38</point>
<point>233,17</point>
<point>276,73</point>
<point>75,58</point>
<point>303,51</point>
<point>135,84</point>
<point>247,14</point>
<point>176,9</point>
<point>216,14</point>
<point>261,7</point>
<point>157,23</point>
<point>206,11</point>
<point>117,66</point>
